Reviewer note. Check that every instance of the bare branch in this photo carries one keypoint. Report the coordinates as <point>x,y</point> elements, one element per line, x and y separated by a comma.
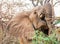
<point>56,3</point>
<point>57,18</point>
<point>41,2</point>
<point>46,1</point>
<point>34,3</point>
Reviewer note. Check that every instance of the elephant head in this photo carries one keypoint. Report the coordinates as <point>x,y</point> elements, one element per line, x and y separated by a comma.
<point>46,14</point>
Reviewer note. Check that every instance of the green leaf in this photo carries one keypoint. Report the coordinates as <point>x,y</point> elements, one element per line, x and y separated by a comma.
<point>58,21</point>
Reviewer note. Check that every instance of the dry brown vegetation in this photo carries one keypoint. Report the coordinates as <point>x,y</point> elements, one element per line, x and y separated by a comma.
<point>7,14</point>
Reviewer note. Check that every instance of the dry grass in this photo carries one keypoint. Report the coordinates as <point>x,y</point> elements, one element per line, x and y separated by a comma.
<point>7,39</point>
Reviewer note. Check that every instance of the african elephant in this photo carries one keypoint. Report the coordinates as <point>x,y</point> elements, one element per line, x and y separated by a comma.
<point>23,25</point>
<point>46,13</point>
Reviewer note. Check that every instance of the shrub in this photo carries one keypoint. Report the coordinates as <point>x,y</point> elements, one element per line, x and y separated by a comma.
<point>41,38</point>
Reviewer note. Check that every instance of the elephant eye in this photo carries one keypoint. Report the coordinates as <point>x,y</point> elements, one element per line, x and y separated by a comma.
<point>35,12</point>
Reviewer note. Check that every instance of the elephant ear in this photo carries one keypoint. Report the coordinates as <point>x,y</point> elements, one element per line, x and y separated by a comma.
<point>12,28</point>
<point>48,8</point>
<point>21,26</point>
